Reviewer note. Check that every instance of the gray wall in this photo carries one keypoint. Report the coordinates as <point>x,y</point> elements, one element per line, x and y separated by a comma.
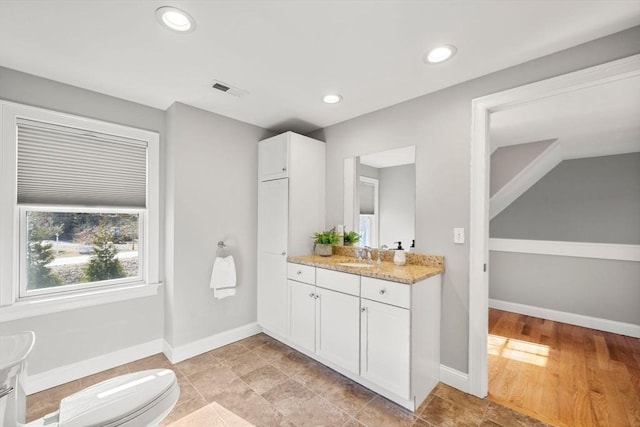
<point>439,125</point>
<point>397,205</point>
<point>507,162</point>
<point>599,288</point>
<point>368,171</point>
<point>582,200</point>
<point>212,183</point>
<point>72,336</point>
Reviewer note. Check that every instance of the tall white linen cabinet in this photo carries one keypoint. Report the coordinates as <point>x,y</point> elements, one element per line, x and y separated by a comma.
<point>291,207</point>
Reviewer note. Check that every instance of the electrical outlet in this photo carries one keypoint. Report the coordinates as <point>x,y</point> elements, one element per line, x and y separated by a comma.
<point>458,235</point>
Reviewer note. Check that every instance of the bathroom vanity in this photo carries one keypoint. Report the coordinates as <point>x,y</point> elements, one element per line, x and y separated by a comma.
<point>378,324</point>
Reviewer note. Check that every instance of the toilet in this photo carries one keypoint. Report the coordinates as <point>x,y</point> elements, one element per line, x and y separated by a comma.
<point>137,399</point>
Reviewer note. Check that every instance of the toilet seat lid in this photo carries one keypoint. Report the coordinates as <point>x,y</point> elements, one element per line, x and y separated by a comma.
<point>114,399</point>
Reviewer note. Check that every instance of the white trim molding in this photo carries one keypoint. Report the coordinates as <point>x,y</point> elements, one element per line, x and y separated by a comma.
<point>622,328</point>
<point>72,301</point>
<point>64,374</point>
<point>454,378</point>
<point>186,351</point>
<point>610,251</point>
<point>525,179</point>
<point>481,109</point>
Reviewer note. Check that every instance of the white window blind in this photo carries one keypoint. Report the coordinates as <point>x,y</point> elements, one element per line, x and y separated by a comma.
<point>367,198</point>
<point>67,166</point>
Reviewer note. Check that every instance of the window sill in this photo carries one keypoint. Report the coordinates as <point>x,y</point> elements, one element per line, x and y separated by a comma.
<point>58,303</point>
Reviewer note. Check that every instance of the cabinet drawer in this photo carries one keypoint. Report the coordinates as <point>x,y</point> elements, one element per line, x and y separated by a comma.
<point>386,292</point>
<point>341,282</point>
<point>301,273</point>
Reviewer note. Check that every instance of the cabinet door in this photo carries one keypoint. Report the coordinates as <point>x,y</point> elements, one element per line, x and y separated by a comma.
<point>385,346</point>
<point>272,292</point>
<point>272,251</point>
<point>273,158</point>
<point>273,216</point>
<point>338,328</point>
<point>302,317</point>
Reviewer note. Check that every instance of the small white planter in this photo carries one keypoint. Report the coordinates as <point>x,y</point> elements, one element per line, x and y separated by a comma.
<point>323,249</point>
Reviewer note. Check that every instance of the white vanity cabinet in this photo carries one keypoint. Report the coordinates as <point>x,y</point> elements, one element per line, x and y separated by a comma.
<point>291,207</point>
<point>386,335</point>
<point>323,321</point>
<point>385,344</point>
<point>338,318</point>
<point>302,315</point>
<point>382,334</point>
<point>400,337</point>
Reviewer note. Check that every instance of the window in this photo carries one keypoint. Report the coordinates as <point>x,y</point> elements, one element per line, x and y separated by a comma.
<point>368,227</point>
<point>78,206</point>
<point>66,251</point>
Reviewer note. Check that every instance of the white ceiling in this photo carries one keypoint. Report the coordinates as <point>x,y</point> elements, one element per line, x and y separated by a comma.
<point>287,54</point>
<point>595,121</point>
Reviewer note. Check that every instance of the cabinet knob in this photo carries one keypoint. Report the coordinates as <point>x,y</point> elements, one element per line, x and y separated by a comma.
<point>363,309</point>
<point>283,253</point>
<point>382,291</point>
<point>298,272</point>
<point>311,295</point>
<point>284,169</point>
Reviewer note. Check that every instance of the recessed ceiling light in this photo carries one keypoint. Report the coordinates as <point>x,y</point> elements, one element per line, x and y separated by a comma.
<point>175,19</point>
<point>440,54</point>
<point>332,98</point>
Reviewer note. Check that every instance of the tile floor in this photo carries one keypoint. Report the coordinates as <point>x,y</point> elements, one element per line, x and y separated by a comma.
<point>259,381</point>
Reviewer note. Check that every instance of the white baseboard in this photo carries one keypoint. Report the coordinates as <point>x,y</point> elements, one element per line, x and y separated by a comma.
<point>628,329</point>
<point>454,378</point>
<point>74,371</point>
<point>186,351</point>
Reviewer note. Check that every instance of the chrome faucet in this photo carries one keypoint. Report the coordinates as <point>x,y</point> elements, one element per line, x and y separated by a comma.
<point>368,250</point>
<point>382,248</point>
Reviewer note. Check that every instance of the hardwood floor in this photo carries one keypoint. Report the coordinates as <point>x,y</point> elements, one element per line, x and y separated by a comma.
<point>562,374</point>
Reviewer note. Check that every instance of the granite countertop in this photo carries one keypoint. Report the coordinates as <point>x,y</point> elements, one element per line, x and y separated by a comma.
<point>418,267</point>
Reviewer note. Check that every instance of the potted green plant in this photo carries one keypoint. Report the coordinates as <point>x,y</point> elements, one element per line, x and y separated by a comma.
<point>324,242</point>
<point>350,238</point>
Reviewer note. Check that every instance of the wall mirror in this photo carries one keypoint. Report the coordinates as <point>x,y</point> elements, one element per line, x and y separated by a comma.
<point>380,197</point>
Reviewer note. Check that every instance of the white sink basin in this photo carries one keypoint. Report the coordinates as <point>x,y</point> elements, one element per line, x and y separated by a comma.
<point>355,264</point>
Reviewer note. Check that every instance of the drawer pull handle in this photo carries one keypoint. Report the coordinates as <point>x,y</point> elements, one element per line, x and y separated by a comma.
<point>299,272</point>
<point>382,291</point>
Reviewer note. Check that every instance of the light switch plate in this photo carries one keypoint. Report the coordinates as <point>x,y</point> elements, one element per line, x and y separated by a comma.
<point>458,235</point>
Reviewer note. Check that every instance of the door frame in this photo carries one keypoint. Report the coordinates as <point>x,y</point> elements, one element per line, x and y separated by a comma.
<point>481,108</point>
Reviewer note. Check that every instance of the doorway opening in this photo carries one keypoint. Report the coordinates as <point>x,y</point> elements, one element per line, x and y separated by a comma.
<point>482,108</point>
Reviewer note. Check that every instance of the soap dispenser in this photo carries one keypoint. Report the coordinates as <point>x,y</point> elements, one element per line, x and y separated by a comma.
<point>399,257</point>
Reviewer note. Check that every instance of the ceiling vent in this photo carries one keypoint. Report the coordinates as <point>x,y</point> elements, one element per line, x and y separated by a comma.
<point>228,89</point>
